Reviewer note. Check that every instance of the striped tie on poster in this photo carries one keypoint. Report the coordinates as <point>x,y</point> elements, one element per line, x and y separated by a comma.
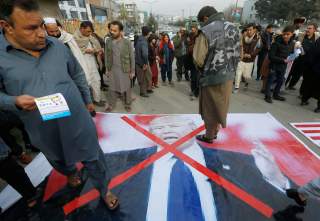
<point>309,130</point>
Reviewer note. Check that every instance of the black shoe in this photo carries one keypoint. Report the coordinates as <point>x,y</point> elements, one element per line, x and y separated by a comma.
<point>150,91</point>
<point>268,100</point>
<point>317,110</point>
<point>144,95</point>
<point>293,194</point>
<point>279,98</point>
<point>292,88</point>
<point>304,103</point>
<point>203,138</point>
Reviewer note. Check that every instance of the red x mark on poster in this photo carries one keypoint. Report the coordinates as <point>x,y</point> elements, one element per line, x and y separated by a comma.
<point>219,180</point>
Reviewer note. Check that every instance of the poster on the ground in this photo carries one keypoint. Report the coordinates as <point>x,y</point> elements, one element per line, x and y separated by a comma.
<point>162,173</point>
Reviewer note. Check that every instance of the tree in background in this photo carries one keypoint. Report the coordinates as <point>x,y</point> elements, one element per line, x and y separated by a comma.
<point>287,10</point>
<point>152,23</point>
<point>123,15</point>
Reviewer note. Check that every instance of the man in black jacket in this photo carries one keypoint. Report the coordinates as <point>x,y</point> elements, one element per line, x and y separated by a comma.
<point>311,78</point>
<point>142,63</point>
<point>280,50</point>
<point>266,39</point>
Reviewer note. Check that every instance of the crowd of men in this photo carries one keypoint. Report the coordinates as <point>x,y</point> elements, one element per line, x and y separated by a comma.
<point>282,59</point>
<point>38,58</point>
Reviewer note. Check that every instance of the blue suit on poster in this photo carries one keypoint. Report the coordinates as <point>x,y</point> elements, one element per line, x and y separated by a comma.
<point>139,201</point>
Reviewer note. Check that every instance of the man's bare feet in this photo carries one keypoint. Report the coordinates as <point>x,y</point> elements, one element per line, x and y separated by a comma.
<point>111,201</point>
<point>74,180</point>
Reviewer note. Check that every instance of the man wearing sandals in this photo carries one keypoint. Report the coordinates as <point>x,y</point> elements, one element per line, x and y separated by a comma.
<point>120,63</point>
<point>34,65</point>
<point>216,55</point>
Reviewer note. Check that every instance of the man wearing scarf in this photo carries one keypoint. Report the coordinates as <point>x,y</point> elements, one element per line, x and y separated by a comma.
<point>249,49</point>
<point>92,51</point>
<point>215,53</point>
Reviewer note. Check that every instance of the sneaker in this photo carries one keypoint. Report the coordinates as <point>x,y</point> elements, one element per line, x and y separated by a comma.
<point>235,91</point>
<point>317,110</point>
<point>99,104</point>
<point>246,85</point>
<point>144,95</point>
<point>268,100</point>
<point>279,98</point>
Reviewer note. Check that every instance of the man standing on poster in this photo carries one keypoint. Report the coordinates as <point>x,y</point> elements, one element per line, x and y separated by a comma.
<point>30,68</point>
<point>216,54</point>
<point>168,189</point>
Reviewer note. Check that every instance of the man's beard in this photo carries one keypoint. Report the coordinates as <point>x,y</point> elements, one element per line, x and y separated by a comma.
<point>115,36</point>
<point>58,36</point>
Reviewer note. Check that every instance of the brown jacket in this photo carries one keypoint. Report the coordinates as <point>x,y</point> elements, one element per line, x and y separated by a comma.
<point>251,48</point>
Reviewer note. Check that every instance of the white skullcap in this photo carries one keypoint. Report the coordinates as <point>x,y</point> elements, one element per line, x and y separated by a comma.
<point>50,21</point>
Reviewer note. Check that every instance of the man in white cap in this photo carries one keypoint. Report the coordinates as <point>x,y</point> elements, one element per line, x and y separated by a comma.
<point>55,30</point>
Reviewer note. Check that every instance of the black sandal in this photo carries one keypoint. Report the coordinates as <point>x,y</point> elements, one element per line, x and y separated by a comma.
<point>293,194</point>
<point>204,139</point>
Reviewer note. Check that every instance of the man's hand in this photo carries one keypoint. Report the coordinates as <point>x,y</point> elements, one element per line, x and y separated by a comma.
<point>91,107</point>
<point>89,51</point>
<point>131,75</point>
<point>145,67</point>
<point>26,102</point>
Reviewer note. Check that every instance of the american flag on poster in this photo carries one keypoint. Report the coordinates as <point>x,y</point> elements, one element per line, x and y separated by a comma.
<point>309,130</point>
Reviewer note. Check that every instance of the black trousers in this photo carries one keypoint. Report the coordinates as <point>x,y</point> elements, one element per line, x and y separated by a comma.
<point>9,121</point>
<point>181,68</point>
<point>195,76</point>
<point>295,73</point>
<point>276,76</point>
<point>14,174</point>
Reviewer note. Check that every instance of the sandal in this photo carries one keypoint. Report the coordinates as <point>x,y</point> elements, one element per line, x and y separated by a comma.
<point>293,194</point>
<point>74,180</point>
<point>204,139</point>
<point>111,201</point>
<point>128,109</point>
<point>25,158</point>
<point>109,109</point>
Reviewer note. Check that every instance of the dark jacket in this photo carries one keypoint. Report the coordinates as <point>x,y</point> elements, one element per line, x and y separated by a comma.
<point>222,57</point>
<point>266,40</point>
<point>161,52</point>
<point>4,150</point>
<point>153,53</point>
<point>250,48</point>
<point>141,51</point>
<point>180,46</point>
<point>279,52</point>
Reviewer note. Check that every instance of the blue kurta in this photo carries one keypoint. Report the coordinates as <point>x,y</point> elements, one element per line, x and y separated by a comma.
<point>67,140</point>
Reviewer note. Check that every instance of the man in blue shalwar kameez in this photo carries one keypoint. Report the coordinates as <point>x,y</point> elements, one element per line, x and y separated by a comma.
<point>33,65</point>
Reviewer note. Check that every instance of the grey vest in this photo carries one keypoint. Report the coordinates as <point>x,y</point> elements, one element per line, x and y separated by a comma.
<point>223,52</point>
